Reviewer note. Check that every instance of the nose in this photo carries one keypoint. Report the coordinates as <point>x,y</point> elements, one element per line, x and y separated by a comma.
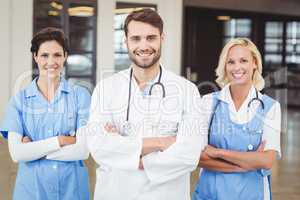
<point>144,44</point>
<point>51,60</point>
<point>236,66</point>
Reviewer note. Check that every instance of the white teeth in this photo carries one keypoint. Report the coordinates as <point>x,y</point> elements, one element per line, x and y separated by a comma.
<point>143,54</point>
<point>51,69</point>
<point>237,75</point>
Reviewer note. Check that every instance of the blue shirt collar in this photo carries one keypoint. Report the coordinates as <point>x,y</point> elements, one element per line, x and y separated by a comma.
<point>32,89</point>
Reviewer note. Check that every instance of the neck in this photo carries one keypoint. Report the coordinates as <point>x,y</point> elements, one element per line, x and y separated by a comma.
<point>48,86</point>
<point>239,94</point>
<point>144,75</point>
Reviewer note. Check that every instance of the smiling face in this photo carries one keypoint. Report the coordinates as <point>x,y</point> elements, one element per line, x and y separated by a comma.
<point>50,59</point>
<point>144,44</point>
<point>240,66</point>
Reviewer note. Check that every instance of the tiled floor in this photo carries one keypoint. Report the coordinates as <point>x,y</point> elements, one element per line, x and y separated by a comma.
<point>286,172</point>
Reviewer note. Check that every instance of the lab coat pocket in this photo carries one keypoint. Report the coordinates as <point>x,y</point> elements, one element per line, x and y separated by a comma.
<point>82,182</point>
<point>168,124</point>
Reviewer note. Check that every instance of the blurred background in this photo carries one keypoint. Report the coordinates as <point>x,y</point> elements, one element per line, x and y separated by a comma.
<point>196,31</point>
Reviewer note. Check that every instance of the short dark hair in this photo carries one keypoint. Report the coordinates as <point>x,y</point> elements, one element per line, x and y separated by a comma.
<point>146,15</point>
<point>49,34</point>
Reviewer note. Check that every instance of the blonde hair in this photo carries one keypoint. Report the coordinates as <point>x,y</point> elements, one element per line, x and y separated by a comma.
<point>258,80</point>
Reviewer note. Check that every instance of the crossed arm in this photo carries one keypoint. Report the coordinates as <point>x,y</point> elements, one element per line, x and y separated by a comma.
<point>233,161</point>
<point>149,145</point>
<point>64,148</point>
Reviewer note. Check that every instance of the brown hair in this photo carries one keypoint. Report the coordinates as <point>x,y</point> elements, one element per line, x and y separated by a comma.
<point>145,15</point>
<point>49,34</point>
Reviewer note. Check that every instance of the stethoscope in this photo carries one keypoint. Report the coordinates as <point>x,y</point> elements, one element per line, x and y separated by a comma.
<point>256,98</point>
<point>126,126</point>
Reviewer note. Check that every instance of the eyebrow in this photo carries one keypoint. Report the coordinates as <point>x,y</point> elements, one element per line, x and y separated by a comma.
<point>55,53</point>
<point>152,35</point>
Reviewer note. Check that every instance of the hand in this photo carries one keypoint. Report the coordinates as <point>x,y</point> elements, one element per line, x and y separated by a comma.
<point>66,140</point>
<point>26,139</point>
<point>204,156</point>
<point>110,128</point>
<point>141,166</point>
<point>166,142</point>
<point>261,147</point>
<point>154,144</point>
<point>212,151</point>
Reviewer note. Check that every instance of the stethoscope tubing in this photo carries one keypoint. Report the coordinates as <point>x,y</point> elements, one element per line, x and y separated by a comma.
<point>256,98</point>
<point>150,91</point>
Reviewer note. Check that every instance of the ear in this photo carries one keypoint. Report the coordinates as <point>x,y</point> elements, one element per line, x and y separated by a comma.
<point>162,36</point>
<point>125,40</point>
<point>66,55</point>
<point>35,57</point>
<point>255,63</point>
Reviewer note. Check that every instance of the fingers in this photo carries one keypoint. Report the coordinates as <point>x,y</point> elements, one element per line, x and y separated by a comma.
<point>262,145</point>
<point>167,141</point>
<point>172,139</point>
<point>26,139</point>
<point>66,140</point>
<point>141,166</point>
<point>211,151</point>
<point>110,128</point>
<point>204,156</point>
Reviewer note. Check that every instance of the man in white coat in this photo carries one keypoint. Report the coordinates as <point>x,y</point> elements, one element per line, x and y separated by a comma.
<point>144,122</point>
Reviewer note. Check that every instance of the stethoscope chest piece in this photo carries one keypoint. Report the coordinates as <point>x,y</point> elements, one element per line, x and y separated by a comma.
<point>127,129</point>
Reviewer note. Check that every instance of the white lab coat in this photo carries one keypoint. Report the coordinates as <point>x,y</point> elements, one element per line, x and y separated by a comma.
<point>166,174</point>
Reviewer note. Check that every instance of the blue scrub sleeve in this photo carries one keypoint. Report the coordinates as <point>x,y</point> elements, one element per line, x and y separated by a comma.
<point>83,106</point>
<point>12,121</point>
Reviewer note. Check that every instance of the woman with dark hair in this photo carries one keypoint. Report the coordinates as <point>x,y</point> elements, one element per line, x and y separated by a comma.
<point>43,122</point>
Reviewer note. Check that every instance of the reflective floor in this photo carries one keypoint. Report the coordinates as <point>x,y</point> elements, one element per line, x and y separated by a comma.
<point>286,172</point>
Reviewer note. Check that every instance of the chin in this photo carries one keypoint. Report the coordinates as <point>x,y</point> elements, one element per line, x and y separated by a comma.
<point>145,65</point>
<point>240,83</point>
<point>51,75</point>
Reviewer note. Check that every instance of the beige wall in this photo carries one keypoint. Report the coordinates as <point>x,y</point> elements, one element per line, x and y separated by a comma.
<point>15,36</point>
<point>5,53</point>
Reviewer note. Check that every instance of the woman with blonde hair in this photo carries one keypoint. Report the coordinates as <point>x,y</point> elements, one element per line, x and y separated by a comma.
<point>243,126</point>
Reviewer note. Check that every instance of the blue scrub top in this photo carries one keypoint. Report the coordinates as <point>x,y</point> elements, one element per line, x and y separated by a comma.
<point>226,134</point>
<point>30,114</point>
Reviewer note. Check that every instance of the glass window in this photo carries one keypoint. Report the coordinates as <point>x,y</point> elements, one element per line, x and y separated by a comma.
<point>292,42</point>
<point>236,27</point>
<point>274,29</point>
<point>273,45</point>
<point>78,19</point>
<point>81,40</point>
<point>48,14</point>
<point>79,64</point>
